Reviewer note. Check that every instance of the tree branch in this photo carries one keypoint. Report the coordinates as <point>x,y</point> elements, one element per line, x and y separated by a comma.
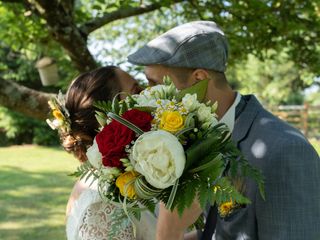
<point>96,23</point>
<point>63,29</point>
<point>24,100</point>
<point>194,5</point>
<point>68,6</point>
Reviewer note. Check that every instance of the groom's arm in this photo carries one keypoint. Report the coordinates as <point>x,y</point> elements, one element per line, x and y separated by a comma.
<point>171,226</point>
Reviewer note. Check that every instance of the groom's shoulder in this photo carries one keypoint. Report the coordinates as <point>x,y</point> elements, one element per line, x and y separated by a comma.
<point>267,123</point>
<point>275,133</point>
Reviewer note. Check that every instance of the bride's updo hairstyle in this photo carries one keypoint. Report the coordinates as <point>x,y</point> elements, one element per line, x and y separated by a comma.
<point>98,85</point>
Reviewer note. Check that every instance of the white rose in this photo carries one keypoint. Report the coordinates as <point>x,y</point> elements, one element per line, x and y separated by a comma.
<point>144,99</point>
<point>163,91</point>
<point>150,96</point>
<point>158,91</point>
<point>94,156</point>
<point>159,157</point>
<point>210,123</point>
<point>190,102</point>
<point>204,113</point>
<point>146,102</point>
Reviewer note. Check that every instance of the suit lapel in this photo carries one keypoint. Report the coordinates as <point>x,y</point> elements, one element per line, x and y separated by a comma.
<point>246,112</point>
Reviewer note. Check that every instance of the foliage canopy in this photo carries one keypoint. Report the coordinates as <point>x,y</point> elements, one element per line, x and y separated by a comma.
<point>273,44</point>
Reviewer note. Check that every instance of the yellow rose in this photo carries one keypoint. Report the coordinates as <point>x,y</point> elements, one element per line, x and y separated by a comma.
<point>123,183</point>
<point>57,114</point>
<point>171,121</point>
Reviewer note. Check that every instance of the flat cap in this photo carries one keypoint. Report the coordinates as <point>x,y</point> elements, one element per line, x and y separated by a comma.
<point>198,44</point>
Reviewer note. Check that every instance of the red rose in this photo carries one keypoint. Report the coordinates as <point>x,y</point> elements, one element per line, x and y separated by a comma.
<point>141,119</point>
<point>111,142</point>
<point>114,137</point>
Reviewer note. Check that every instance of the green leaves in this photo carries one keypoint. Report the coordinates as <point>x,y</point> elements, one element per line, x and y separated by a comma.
<point>239,166</point>
<point>145,109</point>
<point>218,165</point>
<point>101,118</point>
<point>101,114</point>
<point>186,194</point>
<point>103,106</point>
<point>85,170</point>
<point>253,173</point>
<point>199,88</point>
<point>214,140</point>
<point>150,204</point>
<point>115,106</point>
<point>172,196</point>
<point>224,191</point>
<point>221,191</point>
<point>213,162</point>
<point>144,190</point>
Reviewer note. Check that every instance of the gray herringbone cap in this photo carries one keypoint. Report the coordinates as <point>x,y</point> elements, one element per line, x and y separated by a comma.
<point>199,44</point>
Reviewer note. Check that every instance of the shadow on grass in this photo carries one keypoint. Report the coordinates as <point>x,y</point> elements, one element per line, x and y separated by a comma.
<point>32,204</point>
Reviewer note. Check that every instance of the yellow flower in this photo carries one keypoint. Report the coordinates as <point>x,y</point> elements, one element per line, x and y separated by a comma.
<point>183,110</point>
<point>226,208</point>
<point>57,114</point>
<point>125,184</point>
<point>216,188</point>
<point>171,121</point>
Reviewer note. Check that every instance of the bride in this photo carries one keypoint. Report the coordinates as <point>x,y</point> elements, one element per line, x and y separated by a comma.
<point>87,216</point>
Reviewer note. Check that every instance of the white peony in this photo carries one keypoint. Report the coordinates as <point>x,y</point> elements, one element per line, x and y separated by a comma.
<point>159,157</point>
<point>94,156</point>
<point>190,102</point>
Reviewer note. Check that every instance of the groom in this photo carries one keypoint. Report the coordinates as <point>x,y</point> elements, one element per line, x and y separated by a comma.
<point>197,51</point>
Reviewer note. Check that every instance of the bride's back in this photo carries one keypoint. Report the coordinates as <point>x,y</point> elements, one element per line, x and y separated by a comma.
<point>88,217</point>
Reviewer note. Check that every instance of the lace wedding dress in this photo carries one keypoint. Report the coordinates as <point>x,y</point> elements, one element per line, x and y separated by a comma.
<point>89,219</point>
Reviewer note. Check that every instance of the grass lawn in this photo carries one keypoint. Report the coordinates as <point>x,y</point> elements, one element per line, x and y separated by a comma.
<point>34,192</point>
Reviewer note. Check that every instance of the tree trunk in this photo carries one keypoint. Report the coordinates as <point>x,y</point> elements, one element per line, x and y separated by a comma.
<point>24,100</point>
<point>60,22</point>
<point>61,25</point>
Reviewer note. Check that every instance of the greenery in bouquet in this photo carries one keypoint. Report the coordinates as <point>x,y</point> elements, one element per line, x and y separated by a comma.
<point>166,145</point>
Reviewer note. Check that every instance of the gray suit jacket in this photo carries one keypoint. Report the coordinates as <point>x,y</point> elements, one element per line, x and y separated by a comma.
<point>291,168</point>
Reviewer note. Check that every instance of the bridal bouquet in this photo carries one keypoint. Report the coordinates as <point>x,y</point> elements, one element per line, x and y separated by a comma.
<point>165,145</point>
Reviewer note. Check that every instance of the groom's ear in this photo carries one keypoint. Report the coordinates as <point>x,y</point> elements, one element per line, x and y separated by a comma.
<point>199,75</point>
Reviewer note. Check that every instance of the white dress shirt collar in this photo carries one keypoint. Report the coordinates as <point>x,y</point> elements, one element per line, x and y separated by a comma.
<point>229,117</point>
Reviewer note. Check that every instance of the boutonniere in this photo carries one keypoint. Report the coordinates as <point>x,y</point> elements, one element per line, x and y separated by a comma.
<point>227,208</point>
